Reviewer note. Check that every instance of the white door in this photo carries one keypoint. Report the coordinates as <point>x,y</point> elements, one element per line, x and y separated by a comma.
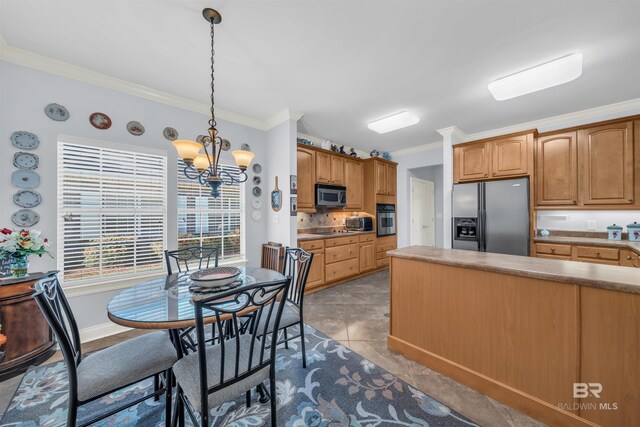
<point>422,212</point>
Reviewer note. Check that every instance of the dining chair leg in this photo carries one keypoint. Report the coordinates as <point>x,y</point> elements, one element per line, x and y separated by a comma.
<point>286,342</point>
<point>156,386</point>
<point>272,383</point>
<point>72,413</point>
<point>168,391</point>
<point>248,398</point>
<point>302,345</point>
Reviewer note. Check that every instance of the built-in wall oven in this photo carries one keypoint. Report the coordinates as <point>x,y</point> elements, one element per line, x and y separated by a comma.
<point>385,219</point>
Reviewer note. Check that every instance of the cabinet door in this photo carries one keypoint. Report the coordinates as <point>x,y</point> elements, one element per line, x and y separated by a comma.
<point>473,161</point>
<point>306,178</point>
<point>337,170</point>
<point>315,277</point>
<point>557,173</point>
<point>353,174</point>
<point>381,178</point>
<point>606,164</point>
<point>509,156</point>
<point>391,180</point>
<point>367,256</point>
<point>323,167</point>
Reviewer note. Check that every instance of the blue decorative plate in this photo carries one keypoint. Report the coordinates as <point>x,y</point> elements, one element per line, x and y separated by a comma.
<point>23,160</point>
<point>27,198</point>
<point>25,179</point>
<point>25,218</point>
<point>56,112</point>
<point>25,140</point>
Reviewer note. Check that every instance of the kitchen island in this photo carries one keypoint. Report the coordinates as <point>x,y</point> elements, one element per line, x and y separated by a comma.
<point>524,330</point>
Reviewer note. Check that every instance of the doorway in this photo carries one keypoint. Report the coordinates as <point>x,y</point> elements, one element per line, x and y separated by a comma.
<point>422,212</point>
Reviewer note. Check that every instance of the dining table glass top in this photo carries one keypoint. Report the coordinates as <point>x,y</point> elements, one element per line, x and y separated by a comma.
<point>166,302</point>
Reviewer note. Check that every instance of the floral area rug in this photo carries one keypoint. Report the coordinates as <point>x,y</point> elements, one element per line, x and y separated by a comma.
<point>338,388</point>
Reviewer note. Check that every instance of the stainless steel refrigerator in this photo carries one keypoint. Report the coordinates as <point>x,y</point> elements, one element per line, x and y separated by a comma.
<point>492,216</point>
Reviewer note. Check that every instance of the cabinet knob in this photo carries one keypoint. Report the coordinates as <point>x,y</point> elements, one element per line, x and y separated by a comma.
<point>553,249</point>
<point>629,258</point>
<point>597,253</point>
<point>631,200</point>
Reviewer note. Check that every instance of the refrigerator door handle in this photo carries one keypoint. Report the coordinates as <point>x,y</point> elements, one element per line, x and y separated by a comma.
<point>482,216</point>
<point>479,219</point>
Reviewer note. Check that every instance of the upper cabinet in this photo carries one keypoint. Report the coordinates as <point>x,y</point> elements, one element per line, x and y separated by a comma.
<point>606,164</point>
<point>556,171</point>
<point>329,168</point>
<point>505,157</point>
<point>596,167</point>
<point>306,179</point>
<point>385,178</point>
<point>353,177</point>
<point>337,170</point>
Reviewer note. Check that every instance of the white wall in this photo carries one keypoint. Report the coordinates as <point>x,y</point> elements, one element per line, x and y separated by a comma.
<point>579,220</point>
<point>25,92</point>
<point>433,174</point>
<point>405,164</point>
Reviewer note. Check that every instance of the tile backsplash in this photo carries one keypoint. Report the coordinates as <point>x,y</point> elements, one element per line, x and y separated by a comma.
<point>585,220</point>
<point>324,219</point>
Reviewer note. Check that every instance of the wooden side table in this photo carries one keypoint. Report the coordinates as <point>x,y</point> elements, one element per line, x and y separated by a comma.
<point>30,341</point>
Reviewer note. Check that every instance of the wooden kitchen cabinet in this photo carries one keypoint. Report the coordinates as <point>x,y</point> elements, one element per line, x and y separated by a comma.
<point>315,277</point>
<point>392,179</point>
<point>629,258</point>
<point>606,164</point>
<point>323,167</point>
<point>306,179</point>
<point>556,173</point>
<point>510,156</point>
<point>472,161</point>
<point>354,180</point>
<point>337,170</point>
<point>367,256</point>
<point>385,178</point>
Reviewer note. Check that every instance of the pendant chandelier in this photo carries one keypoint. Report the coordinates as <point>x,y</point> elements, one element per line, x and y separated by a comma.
<point>202,157</point>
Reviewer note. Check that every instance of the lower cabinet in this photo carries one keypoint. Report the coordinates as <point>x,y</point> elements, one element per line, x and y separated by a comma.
<point>367,256</point>
<point>316,271</point>
<point>342,269</point>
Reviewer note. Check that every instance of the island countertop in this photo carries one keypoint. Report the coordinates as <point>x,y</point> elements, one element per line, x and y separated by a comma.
<point>623,279</point>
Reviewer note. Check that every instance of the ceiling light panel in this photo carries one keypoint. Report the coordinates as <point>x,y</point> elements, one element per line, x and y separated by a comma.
<point>550,74</point>
<point>394,122</point>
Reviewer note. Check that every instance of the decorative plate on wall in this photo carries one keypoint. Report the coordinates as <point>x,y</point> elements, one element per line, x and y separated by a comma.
<point>56,112</point>
<point>100,121</point>
<point>226,145</point>
<point>23,160</point>
<point>170,133</point>
<point>200,138</point>
<point>245,147</point>
<point>135,128</point>
<point>257,180</point>
<point>257,168</point>
<point>25,140</point>
<point>256,215</point>
<point>25,179</point>
<point>257,191</point>
<point>25,218</point>
<point>27,198</point>
<point>257,204</point>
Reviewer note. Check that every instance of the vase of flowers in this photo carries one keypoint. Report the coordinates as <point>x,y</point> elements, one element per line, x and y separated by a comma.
<point>19,244</point>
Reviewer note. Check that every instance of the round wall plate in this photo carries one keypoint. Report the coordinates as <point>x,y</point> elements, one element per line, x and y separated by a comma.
<point>170,133</point>
<point>100,121</point>
<point>257,168</point>
<point>257,204</point>
<point>256,215</point>
<point>23,160</point>
<point>257,191</point>
<point>56,112</point>
<point>226,145</point>
<point>25,218</point>
<point>25,140</point>
<point>257,180</point>
<point>135,128</point>
<point>27,198</point>
<point>245,147</point>
<point>25,179</point>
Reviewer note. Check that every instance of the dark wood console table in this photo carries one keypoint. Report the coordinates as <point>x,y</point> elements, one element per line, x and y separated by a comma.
<point>30,341</point>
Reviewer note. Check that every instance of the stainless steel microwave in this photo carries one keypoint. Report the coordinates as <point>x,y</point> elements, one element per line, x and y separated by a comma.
<point>331,196</point>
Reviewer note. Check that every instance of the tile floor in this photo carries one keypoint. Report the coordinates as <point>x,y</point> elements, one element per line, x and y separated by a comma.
<point>354,314</point>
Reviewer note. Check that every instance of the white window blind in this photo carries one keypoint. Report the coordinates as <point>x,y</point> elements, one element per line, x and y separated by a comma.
<point>112,209</point>
<point>207,221</point>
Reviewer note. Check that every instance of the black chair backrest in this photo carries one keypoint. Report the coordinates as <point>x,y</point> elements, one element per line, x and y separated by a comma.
<point>244,313</point>
<point>296,265</point>
<point>183,256</point>
<point>56,310</point>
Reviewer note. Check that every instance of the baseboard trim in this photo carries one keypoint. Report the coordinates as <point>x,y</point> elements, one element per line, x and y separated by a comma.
<point>515,398</point>
<point>103,330</point>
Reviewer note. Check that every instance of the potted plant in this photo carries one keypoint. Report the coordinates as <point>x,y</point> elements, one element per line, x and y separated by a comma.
<point>19,245</point>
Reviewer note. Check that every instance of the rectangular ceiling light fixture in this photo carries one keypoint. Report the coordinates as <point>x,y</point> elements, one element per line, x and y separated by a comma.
<point>550,74</point>
<point>394,122</point>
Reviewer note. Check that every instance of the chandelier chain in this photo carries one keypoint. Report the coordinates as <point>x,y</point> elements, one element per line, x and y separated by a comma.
<point>212,122</point>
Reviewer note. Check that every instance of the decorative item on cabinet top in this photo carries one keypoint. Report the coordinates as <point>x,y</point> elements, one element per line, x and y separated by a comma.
<point>56,112</point>
<point>25,178</point>
<point>100,121</point>
<point>135,128</point>
<point>25,140</point>
<point>23,160</point>
<point>374,153</point>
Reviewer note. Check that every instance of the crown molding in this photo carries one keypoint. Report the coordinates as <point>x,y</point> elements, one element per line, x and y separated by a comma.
<point>53,66</point>
<point>416,150</point>
<point>453,132</point>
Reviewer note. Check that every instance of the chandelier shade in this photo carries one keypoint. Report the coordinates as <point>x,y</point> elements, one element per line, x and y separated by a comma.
<point>243,158</point>
<point>187,150</point>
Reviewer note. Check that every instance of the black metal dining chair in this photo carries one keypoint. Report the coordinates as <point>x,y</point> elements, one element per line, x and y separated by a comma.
<point>238,361</point>
<point>108,370</point>
<point>185,256</point>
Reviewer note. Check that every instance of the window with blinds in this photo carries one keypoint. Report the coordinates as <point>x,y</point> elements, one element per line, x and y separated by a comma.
<point>112,210</point>
<point>207,221</point>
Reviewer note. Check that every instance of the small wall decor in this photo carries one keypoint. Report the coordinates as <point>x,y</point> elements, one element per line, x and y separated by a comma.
<point>245,147</point>
<point>23,160</point>
<point>257,180</point>
<point>294,206</point>
<point>257,204</point>
<point>226,145</point>
<point>25,218</point>
<point>276,198</point>
<point>25,140</point>
<point>27,198</point>
<point>170,133</point>
<point>257,168</point>
<point>201,138</point>
<point>100,121</point>
<point>256,215</point>
<point>25,178</point>
<point>135,128</point>
<point>293,184</point>
<point>257,191</point>
<point>56,112</point>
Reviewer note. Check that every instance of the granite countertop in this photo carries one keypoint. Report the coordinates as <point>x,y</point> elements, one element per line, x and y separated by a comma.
<point>592,241</point>
<point>312,236</point>
<point>624,279</point>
